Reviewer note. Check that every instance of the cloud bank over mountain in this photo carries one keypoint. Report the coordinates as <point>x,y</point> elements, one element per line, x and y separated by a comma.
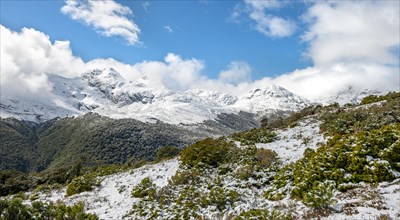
<point>350,43</point>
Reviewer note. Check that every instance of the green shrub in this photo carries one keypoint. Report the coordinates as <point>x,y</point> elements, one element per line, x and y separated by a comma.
<point>210,152</point>
<point>257,214</point>
<point>145,188</point>
<point>81,184</point>
<point>320,196</point>
<point>244,172</point>
<point>344,161</point>
<point>374,98</point>
<point>219,197</point>
<point>265,157</point>
<point>15,209</point>
<point>166,152</point>
<point>255,135</point>
<point>189,176</point>
<point>134,163</point>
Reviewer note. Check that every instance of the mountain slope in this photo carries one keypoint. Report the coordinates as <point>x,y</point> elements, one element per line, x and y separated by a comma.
<point>107,93</point>
<point>99,140</point>
<point>327,162</point>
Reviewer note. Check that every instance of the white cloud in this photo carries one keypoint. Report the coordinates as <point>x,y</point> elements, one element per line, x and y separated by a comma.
<point>264,22</point>
<point>353,31</point>
<point>27,57</point>
<point>345,53</point>
<point>105,16</point>
<point>319,82</point>
<point>351,44</point>
<point>168,29</point>
<point>237,72</point>
<point>174,73</point>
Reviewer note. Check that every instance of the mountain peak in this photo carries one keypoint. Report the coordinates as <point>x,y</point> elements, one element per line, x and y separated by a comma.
<point>106,92</point>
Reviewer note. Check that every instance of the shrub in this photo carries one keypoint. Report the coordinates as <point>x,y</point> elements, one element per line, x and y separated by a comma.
<point>343,162</point>
<point>81,184</point>
<point>145,188</point>
<point>265,157</point>
<point>166,152</point>
<point>211,152</point>
<point>190,176</point>
<point>255,135</point>
<point>320,196</point>
<point>134,163</point>
<point>263,214</point>
<point>15,209</point>
<point>374,98</point>
<point>244,172</point>
<point>219,197</point>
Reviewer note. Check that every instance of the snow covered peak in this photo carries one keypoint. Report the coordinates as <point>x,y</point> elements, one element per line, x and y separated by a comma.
<point>351,95</point>
<point>271,97</point>
<point>222,98</point>
<point>107,76</point>
<point>270,91</point>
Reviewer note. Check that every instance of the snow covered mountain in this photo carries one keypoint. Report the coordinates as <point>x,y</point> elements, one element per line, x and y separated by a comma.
<point>107,93</point>
<point>352,95</point>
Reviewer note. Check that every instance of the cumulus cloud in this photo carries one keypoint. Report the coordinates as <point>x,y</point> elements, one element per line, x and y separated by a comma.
<point>27,57</point>
<point>106,17</point>
<point>264,22</point>
<point>237,72</point>
<point>353,31</point>
<point>174,73</point>
<point>350,44</point>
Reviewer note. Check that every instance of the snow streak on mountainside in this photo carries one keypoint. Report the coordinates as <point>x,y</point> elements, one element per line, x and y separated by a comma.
<point>107,93</point>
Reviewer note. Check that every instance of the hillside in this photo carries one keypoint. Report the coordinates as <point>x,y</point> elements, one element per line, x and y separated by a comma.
<point>326,162</point>
<point>93,138</point>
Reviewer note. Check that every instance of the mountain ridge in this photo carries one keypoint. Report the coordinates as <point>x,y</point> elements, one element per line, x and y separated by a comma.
<point>107,93</point>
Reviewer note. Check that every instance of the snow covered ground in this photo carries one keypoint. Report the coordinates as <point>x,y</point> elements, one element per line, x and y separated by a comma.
<point>292,142</point>
<point>112,200</point>
<point>369,203</point>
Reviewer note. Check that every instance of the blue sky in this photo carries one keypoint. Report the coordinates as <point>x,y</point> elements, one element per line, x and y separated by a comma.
<point>200,29</point>
<point>312,48</point>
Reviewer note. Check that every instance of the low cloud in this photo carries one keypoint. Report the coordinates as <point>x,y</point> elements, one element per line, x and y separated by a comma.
<point>320,82</point>
<point>106,16</point>
<point>351,44</point>
<point>237,72</point>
